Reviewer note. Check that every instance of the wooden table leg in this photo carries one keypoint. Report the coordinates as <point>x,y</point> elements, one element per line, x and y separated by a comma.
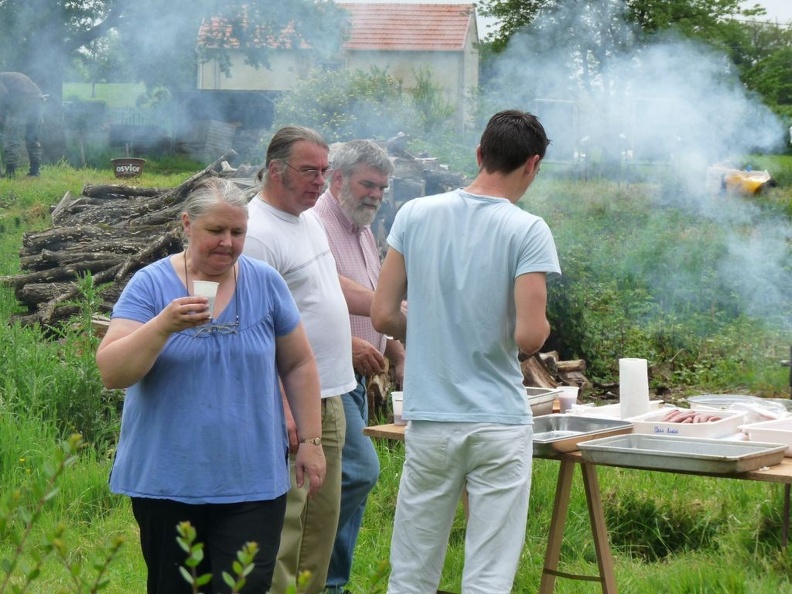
<point>598,528</point>
<point>599,531</point>
<point>785,520</point>
<point>557,522</point>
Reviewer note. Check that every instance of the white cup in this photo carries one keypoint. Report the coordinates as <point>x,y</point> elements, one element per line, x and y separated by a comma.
<point>397,399</point>
<point>206,289</point>
<point>567,398</point>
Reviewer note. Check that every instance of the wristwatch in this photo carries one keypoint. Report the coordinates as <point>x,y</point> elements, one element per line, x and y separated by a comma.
<point>312,440</point>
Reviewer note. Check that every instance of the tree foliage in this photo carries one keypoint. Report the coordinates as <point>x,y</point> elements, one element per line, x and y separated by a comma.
<point>698,18</point>
<point>763,54</point>
<point>590,34</point>
<point>347,104</point>
<point>158,38</point>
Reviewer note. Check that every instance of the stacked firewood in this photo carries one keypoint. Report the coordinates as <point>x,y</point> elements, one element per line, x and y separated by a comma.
<point>109,232</point>
<point>545,370</point>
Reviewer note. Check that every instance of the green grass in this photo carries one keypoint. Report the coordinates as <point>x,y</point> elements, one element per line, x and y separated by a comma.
<point>620,246</point>
<point>114,94</point>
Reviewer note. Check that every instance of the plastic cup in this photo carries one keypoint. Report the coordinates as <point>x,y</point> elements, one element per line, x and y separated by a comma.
<point>567,397</point>
<point>397,399</point>
<point>206,289</point>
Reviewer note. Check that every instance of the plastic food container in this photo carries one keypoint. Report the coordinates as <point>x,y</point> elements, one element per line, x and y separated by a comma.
<point>779,431</point>
<point>651,424</point>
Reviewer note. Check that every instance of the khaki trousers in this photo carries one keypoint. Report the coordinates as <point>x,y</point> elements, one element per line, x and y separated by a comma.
<point>310,525</point>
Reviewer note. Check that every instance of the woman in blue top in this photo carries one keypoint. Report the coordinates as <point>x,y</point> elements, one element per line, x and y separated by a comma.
<point>203,435</point>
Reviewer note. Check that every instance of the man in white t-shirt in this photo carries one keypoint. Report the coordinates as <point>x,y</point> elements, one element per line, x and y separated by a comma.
<point>287,234</point>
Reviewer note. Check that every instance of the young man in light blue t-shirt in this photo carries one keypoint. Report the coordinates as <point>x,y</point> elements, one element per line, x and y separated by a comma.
<point>473,267</point>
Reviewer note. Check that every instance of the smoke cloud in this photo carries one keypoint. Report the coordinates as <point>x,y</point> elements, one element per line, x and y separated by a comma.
<point>672,103</point>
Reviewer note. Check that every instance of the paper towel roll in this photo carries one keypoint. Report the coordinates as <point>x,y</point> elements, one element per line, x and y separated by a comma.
<point>633,387</point>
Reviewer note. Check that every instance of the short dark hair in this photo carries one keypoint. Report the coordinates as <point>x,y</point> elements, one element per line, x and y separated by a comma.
<point>280,147</point>
<point>510,139</point>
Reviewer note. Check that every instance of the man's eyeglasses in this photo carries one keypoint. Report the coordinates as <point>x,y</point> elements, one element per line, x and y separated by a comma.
<point>309,173</point>
<point>212,329</point>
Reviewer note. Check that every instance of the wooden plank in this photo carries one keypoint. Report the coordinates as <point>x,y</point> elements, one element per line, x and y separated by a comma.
<point>389,431</point>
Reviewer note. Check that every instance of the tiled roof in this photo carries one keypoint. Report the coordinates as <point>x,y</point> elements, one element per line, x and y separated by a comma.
<point>217,32</point>
<point>374,26</point>
<point>413,27</point>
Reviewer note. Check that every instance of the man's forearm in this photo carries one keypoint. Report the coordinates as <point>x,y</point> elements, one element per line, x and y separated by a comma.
<point>358,297</point>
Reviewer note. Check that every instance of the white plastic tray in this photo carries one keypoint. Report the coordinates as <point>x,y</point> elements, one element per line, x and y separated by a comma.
<point>651,424</point>
<point>778,431</point>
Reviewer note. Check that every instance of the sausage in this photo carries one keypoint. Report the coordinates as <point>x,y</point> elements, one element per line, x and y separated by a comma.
<point>679,415</point>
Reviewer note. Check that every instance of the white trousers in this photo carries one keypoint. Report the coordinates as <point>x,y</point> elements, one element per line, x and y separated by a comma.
<point>494,463</point>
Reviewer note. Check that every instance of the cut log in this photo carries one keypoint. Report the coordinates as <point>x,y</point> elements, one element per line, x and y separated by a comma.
<point>575,378</point>
<point>35,293</point>
<point>49,259</point>
<point>111,191</point>
<point>535,374</point>
<point>100,325</point>
<point>570,366</point>
<point>64,203</point>
<point>377,390</point>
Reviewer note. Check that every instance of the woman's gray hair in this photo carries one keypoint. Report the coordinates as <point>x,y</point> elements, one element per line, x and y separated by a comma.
<point>210,192</point>
<point>350,155</point>
<point>280,147</point>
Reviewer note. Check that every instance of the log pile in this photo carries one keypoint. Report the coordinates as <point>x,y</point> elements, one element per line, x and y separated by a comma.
<point>109,232</point>
<point>544,370</point>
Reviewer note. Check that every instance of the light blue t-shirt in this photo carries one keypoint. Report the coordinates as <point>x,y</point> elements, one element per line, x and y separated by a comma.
<point>462,254</point>
<point>206,424</point>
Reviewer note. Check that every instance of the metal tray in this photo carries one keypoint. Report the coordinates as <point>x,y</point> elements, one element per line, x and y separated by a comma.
<point>682,454</point>
<point>553,434</point>
<point>541,399</point>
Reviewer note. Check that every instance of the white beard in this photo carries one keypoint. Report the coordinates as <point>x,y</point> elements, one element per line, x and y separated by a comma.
<point>360,213</point>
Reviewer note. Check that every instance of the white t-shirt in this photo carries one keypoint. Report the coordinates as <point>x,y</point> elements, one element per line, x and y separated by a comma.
<point>297,247</point>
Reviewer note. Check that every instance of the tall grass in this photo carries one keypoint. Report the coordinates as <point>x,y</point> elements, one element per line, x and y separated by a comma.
<point>624,255</point>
